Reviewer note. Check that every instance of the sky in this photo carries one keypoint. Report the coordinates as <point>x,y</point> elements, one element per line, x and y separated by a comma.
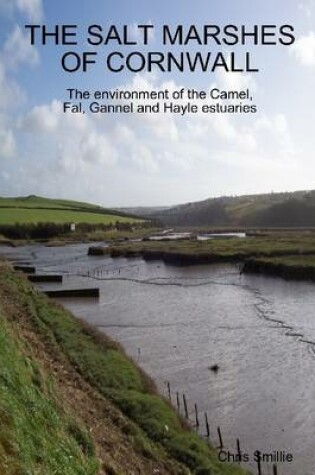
<point>154,159</point>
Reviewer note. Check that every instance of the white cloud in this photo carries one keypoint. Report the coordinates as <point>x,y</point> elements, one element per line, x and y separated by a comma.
<point>304,49</point>
<point>236,81</point>
<point>7,144</point>
<point>42,119</point>
<point>50,119</point>
<point>10,91</point>
<point>32,9</point>
<point>10,96</point>
<point>307,8</point>
<point>143,157</point>
<point>18,50</point>
<point>96,150</point>
<point>78,137</point>
<point>14,52</point>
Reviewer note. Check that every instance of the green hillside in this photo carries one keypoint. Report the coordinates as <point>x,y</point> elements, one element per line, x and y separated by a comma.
<point>296,209</point>
<point>33,201</point>
<point>34,209</point>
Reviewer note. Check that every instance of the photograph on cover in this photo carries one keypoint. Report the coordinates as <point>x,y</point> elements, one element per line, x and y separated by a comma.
<point>157,237</point>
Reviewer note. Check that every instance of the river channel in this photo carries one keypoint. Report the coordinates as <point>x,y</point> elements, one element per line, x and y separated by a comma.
<point>178,322</point>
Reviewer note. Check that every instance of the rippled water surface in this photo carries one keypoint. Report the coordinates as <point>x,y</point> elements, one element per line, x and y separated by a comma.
<point>177,322</point>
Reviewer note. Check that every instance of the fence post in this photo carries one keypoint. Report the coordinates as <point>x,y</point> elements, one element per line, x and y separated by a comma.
<point>220,438</point>
<point>197,418</point>
<point>258,457</point>
<point>207,425</point>
<point>185,407</point>
<point>238,445</point>
<point>169,391</point>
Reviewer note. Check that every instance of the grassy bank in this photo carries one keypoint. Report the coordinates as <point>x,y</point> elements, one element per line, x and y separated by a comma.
<point>283,254</point>
<point>297,267</point>
<point>94,410</point>
<point>35,432</point>
<point>216,250</point>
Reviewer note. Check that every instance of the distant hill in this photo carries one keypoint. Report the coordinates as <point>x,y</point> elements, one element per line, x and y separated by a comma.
<point>35,209</point>
<point>143,211</point>
<point>290,209</point>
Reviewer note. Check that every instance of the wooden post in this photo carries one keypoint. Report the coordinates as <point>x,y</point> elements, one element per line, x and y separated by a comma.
<point>169,391</point>
<point>178,401</point>
<point>238,445</point>
<point>275,470</point>
<point>258,456</point>
<point>207,425</point>
<point>185,407</point>
<point>220,438</point>
<point>197,418</point>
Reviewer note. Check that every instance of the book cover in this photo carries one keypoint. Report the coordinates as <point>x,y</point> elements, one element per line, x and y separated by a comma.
<point>158,157</point>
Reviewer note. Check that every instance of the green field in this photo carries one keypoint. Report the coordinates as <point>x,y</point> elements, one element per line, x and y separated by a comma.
<point>33,209</point>
<point>37,201</point>
<point>13,216</point>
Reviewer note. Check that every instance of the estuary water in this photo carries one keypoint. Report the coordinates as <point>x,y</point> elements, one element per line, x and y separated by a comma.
<point>178,322</point>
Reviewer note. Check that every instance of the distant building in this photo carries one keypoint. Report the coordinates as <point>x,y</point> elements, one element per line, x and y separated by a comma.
<point>72,227</point>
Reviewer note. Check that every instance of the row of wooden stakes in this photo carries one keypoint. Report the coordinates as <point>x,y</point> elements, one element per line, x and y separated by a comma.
<point>207,426</point>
